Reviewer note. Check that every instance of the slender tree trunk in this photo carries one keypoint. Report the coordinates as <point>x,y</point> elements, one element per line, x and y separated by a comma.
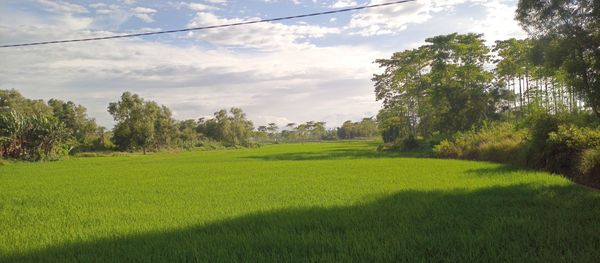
<point>588,91</point>
<point>527,91</point>
<point>520,95</point>
<point>554,96</point>
<point>514,90</point>
<point>547,95</point>
<point>596,111</point>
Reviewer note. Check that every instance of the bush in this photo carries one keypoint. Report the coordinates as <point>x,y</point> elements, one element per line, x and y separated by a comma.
<point>501,142</point>
<point>564,149</point>
<point>209,144</point>
<point>541,125</point>
<point>548,144</point>
<point>410,143</point>
<point>589,167</point>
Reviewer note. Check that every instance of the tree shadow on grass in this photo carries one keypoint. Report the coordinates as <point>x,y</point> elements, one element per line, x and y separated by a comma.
<point>517,223</point>
<point>499,169</point>
<point>337,154</point>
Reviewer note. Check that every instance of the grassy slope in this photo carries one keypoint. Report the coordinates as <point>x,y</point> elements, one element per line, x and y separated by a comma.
<point>330,201</point>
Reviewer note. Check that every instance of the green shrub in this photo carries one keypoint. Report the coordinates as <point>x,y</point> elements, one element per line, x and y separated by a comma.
<point>590,160</point>
<point>210,145</point>
<point>540,127</point>
<point>501,142</point>
<point>564,150</point>
<point>589,167</point>
<point>410,143</point>
<point>447,149</point>
<point>559,144</point>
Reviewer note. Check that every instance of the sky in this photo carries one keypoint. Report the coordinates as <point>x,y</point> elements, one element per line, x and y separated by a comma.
<point>316,68</point>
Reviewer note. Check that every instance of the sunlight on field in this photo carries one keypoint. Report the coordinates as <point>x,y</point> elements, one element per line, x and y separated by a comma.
<point>318,201</point>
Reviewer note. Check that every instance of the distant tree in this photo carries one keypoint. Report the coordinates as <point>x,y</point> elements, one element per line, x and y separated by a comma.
<point>439,87</point>
<point>232,128</point>
<point>164,125</point>
<point>75,119</point>
<point>187,135</point>
<point>240,129</point>
<point>12,100</point>
<point>140,124</point>
<point>31,137</point>
<point>366,128</point>
<point>272,128</point>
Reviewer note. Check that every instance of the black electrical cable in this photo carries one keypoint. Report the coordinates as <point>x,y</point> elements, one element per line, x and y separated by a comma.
<point>205,27</point>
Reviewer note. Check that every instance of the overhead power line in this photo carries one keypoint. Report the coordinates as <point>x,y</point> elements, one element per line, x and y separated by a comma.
<point>205,27</point>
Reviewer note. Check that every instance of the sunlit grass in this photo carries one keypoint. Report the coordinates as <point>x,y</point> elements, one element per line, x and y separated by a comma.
<point>317,201</point>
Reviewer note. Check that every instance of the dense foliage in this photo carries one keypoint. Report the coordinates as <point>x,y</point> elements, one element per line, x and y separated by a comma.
<point>366,128</point>
<point>441,87</point>
<point>141,124</point>
<point>232,128</point>
<point>552,143</point>
<point>36,130</point>
<point>544,91</point>
<point>567,33</point>
<point>144,125</point>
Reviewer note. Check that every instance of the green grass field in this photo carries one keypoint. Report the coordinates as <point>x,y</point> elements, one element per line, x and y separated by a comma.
<point>301,202</point>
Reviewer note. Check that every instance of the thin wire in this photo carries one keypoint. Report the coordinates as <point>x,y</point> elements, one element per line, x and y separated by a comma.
<point>205,27</point>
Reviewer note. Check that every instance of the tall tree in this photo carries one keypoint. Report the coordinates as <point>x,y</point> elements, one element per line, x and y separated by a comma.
<point>231,128</point>
<point>12,100</point>
<point>574,28</point>
<point>439,87</point>
<point>75,119</point>
<point>136,122</point>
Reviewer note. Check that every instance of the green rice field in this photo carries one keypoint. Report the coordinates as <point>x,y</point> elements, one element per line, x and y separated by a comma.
<point>331,202</point>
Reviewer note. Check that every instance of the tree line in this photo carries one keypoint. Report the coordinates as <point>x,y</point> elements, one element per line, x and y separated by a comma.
<point>531,102</point>
<point>316,131</point>
<point>38,130</point>
<point>455,82</point>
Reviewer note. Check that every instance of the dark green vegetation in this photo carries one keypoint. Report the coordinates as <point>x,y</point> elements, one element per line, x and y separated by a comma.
<point>552,143</point>
<point>316,131</point>
<point>537,107</point>
<point>34,130</point>
<point>292,202</point>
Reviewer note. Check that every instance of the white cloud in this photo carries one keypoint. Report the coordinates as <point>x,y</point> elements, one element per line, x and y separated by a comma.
<point>395,18</point>
<point>262,35</point>
<point>144,13</point>
<point>198,6</point>
<point>144,10</point>
<point>62,7</point>
<point>498,23</point>
<point>221,2</point>
<point>282,85</point>
<point>288,79</point>
<point>343,3</point>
